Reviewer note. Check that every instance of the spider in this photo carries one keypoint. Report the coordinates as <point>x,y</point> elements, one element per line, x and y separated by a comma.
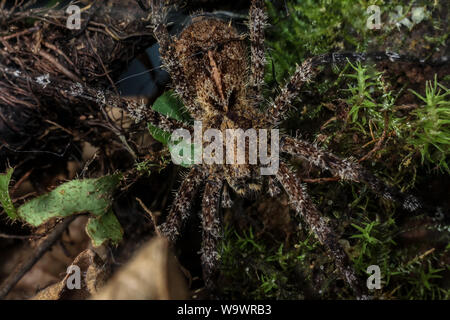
<point>220,82</point>
<point>221,86</point>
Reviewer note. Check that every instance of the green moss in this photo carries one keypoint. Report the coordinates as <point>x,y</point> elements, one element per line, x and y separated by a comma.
<point>348,110</point>
<point>431,133</point>
<point>254,268</point>
<point>313,27</point>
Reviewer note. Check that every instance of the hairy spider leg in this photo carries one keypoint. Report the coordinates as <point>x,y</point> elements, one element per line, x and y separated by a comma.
<point>181,208</point>
<point>349,170</point>
<point>305,208</point>
<point>211,230</point>
<point>170,58</point>
<point>256,25</point>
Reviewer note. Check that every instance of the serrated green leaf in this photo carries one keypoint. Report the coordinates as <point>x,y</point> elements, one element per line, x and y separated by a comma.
<point>188,160</point>
<point>170,106</point>
<point>159,134</point>
<point>5,199</point>
<point>76,196</point>
<point>103,228</point>
<point>164,137</point>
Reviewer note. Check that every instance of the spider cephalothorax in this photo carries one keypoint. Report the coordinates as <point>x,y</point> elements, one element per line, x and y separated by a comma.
<point>221,86</point>
<point>214,59</point>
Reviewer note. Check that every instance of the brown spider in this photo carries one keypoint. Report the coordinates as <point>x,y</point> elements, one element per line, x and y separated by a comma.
<point>210,70</point>
<point>221,85</point>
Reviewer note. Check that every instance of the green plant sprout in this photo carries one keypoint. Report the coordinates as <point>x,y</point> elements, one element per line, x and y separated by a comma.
<point>431,134</point>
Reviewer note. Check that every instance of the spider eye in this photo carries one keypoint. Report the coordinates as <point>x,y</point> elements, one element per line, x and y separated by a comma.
<point>220,47</point>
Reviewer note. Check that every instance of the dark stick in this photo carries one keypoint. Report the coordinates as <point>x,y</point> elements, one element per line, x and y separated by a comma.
<point>11,236</point>
<point>24,267</point>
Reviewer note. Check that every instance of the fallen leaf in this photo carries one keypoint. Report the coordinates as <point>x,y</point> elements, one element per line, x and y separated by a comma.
<point>153,274</point>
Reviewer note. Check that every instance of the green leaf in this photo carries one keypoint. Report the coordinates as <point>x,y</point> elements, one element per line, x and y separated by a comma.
<point>76,196</point>
<point>189,160</point>
<point>159,134</point>
<point>170,106</point>
<point>164,137</point>
<point>5,199</point>
<point>103,228</point>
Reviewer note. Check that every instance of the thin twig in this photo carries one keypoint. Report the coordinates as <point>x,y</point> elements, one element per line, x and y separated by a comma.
<point>103,65</point>
<point>322,180</point>
<point>18,34</point>
<point>59,66</point>
<point>21,180</point>
<point>151,214</point>
<point>12,236</point>
<point>23,268</point>
<point>56,49</point>
<point>380,141</point>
